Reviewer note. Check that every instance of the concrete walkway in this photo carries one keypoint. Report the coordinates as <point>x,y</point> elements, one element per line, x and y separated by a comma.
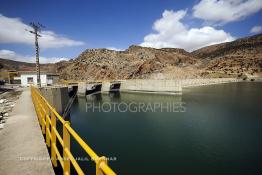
<point>22,146</point>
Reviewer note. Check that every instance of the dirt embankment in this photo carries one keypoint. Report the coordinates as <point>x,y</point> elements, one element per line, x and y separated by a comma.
<point>7,102</point>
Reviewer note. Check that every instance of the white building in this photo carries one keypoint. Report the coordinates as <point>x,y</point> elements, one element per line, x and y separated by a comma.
<point>28,78</point>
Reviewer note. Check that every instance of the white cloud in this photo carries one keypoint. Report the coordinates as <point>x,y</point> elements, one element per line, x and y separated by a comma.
<point>12,30</point>
<point>11,55</point>
<point>256,29</point>
<point>171,32</point>
<point>114,48</point>
<point>224,11</point>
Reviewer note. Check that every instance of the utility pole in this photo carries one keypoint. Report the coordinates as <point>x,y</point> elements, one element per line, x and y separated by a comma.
<point>36,30</point>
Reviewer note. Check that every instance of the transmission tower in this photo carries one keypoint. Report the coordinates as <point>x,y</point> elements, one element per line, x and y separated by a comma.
<point>36,30</point>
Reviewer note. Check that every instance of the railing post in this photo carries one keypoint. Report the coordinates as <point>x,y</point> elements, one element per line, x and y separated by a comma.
<point>53,139</point>
<point>98,169</point>
<point>42,118</point>
<point>36,105</point>
<point>41,115</point>
<point>66,140</point>
<point>47,136</point>
<point>39,112</point>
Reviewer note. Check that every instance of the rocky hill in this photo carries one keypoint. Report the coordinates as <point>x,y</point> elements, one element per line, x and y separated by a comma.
<point>242,56</point>
<point>135,62</point>
<point>239,58</point>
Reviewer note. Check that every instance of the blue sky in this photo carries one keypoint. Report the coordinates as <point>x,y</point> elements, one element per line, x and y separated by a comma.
<point>73,26</point>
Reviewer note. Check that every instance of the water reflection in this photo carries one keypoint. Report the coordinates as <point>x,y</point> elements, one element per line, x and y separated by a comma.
<point>114,95</point>
<point>131,97</point>
<point>94,97</point>
<point>133,102</point>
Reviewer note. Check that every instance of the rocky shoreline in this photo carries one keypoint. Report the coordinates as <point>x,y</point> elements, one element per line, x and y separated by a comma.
<point>7,102</point>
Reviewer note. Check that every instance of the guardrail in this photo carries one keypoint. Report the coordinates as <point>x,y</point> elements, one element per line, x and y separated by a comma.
<point>47,117</point>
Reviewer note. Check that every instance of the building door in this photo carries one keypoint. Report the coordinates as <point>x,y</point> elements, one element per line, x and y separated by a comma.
<point>30,80</point>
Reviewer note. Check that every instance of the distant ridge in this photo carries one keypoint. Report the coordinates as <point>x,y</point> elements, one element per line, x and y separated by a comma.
<point>6,64</point>
<point>238,58</point>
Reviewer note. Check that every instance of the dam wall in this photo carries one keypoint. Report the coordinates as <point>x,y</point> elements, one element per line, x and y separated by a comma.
<point>58,97</point>
<point>148,85</point>
<point>86,88</point>
<point>206,81</point>
<point>106,86</point>
<point>82,88</point>
<point>110,86</point>
<point>156,86</point>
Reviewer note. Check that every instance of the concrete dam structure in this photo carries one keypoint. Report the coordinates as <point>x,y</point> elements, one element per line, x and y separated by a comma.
<point>86,88</point>
<point>60,97</point>
<point>147,86</point>
<point>206,81</point>
<point>152,86</point>
<point>57,97</point>
<point>139,85</point>
<point>111,86</point>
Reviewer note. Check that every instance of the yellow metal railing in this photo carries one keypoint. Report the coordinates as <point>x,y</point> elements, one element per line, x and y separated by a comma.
<point>48,117</point>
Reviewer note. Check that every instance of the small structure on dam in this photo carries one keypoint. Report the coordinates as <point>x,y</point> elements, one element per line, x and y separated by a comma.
<point>85,88</point>
<point>110,86</point>
<point>72,89</point>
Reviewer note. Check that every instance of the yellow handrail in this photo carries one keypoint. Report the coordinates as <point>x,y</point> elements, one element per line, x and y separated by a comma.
<point>47,117</point>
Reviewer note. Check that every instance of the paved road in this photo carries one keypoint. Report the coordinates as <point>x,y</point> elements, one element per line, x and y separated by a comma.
<point>21,141</point>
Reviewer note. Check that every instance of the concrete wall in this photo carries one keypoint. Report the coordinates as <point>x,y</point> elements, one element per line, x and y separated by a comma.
<point>51,79</point>
<point>156,86</point>
<point>55,79</point>
<point>207,81</point>
<point>160,86</point>
<point>105,86</point>
<point>82,88</point>
<point>58,97</point>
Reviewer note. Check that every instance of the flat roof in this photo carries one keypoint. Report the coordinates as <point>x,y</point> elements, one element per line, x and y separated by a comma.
<point>34,72</point>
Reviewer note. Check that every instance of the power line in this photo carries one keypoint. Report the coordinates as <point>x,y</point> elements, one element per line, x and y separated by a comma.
<point>36,30</point>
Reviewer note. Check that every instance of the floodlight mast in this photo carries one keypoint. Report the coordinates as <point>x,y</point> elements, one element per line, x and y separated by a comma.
<point>37,28</point>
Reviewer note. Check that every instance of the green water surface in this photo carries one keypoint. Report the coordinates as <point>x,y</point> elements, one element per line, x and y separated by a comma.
<point>218,130</point>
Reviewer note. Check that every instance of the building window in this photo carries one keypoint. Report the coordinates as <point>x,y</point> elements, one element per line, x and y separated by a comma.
<point>30,80</point>
<point>49,80</point>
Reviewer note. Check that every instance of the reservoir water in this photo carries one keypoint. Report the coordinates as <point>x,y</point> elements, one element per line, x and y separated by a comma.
<point>216,129</point>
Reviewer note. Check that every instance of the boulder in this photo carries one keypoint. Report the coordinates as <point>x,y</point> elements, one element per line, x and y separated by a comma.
<point>1,126</point>
<point>2,101</point>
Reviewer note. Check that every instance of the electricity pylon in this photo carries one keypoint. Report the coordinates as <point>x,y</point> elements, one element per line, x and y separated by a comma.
<point>37,28</point>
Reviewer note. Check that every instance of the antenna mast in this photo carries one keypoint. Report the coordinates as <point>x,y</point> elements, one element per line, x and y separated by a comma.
<point>36,30</point>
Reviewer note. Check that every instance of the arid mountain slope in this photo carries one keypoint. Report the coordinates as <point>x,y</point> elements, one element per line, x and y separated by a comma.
<point>24,66</point>
<point>233,58</point>
<point>135,62</point>
<point>239,58</point>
